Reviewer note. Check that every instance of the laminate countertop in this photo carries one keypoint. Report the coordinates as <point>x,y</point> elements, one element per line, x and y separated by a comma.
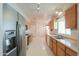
<point>72,44</point>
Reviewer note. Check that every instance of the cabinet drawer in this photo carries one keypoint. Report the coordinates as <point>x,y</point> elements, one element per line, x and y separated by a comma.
<point>61,46</point>
<point>70,52</point>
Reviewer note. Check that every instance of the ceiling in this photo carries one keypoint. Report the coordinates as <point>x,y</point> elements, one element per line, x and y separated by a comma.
<point>47,10</point>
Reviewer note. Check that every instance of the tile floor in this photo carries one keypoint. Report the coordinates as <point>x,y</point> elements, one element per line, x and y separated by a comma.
<point>38,45</point>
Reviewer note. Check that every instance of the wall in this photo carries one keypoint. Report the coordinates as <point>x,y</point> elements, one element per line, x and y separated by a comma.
<point>10,17</point>
<point>1,29</point>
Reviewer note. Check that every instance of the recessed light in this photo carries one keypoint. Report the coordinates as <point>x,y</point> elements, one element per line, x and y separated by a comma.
<point>60,13</point>
<point>56,12</point>
<point>38,6</point>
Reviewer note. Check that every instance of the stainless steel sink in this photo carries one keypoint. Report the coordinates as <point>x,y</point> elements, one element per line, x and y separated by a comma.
<point>59,37</point>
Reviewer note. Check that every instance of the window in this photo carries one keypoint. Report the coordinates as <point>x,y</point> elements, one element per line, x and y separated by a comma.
<point>61,27</point>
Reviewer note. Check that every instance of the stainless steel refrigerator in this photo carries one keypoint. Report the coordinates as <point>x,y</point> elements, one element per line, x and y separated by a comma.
<point>18,37</point>
<point>12,42</point>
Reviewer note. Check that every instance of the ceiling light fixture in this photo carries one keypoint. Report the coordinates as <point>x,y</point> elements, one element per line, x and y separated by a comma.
<point>60,13</point>
<point>56,12</point>
<point>38,6</point>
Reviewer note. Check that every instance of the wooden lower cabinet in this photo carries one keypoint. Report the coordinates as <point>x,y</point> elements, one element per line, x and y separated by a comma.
<point>70,52</point>
<point>60,49</point>
<point>50,43</point>
<point>46,38</point>
<point>60,52</point>
<point>54,47</point>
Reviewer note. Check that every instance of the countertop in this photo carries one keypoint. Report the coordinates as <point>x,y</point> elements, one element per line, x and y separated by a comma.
<point>67,42</point>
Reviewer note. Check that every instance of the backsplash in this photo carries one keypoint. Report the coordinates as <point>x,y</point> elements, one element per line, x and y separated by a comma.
<point>74,33</point>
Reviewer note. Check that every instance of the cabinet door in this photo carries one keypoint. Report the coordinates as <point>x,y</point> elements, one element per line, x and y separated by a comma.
<point>71,17</point>
<point>60,49</point>
<point>60,52</point>
<point>46,38</point>
<point>50,42</point>
<point>67,54</point>
<point>51,24</point>
<point>54,47</point>
<point>70,52</point>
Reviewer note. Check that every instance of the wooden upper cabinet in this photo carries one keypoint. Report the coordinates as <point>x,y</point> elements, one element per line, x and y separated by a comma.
<point>51,24</point>
<point>71,17</point>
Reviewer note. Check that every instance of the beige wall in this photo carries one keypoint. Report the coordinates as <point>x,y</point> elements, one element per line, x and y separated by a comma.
<point>29,23</point>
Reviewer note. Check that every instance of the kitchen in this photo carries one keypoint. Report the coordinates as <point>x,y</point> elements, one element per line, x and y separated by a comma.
<point>55,26</point>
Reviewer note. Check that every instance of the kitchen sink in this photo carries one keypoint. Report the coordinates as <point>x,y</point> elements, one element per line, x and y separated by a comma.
<point>59,37</point>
